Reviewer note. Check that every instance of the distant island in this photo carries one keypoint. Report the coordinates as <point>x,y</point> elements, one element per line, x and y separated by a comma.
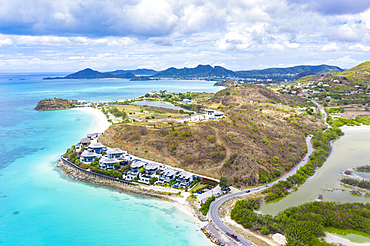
<point>55,104</point>
<point>206,72</point>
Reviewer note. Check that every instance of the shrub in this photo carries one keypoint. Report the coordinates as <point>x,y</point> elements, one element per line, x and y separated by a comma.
<point>205,207</point>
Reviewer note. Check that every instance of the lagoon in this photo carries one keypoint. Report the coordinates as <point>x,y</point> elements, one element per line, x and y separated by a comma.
<point>350,150</point>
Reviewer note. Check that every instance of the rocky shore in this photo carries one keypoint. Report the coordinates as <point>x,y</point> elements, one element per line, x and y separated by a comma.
<point>179,199</point>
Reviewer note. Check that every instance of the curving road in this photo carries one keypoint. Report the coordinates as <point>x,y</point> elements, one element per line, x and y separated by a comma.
<point>215,206</point>
<point>324,115</point>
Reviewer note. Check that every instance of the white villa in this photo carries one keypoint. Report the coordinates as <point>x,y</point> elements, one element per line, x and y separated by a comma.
<point>152,168</point>
<point>168,175</point>
<point>88,156</point>
<point>185,178</point>
<point>115,153</point>
<point>213,114</point>
<point>85,141</point>
<point>107,163</point>
<point>97,147</point>
<point>134,169</point>
<point>94,135</point>
<point>210,112</point>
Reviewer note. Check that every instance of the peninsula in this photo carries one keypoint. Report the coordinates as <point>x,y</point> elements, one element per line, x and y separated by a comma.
<point>55,104</point>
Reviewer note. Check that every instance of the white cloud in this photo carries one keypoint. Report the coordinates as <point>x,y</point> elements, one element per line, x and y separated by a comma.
<point>165,33</point>
<point>330,47</point>
<point>360,48</point>
<point>276,46</point>
<point>345,62</point>
<point>5,41</point>
<point>76,57</point>
<point>234,41</point>
<point>291,45</point>
<point>41,40</point>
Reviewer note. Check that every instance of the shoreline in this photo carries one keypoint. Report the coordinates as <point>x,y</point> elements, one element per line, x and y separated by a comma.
<point>332,238</point>
<point>102,124</point>
<point>180,202</point>
<point>100,120</point>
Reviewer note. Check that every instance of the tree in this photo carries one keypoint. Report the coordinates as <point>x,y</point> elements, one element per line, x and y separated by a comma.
<point>116,165</point>
<point>224,182</point>
<point>141,170</point>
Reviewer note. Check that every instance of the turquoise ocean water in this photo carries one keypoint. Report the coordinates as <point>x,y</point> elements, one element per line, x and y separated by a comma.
<point>41,206</point>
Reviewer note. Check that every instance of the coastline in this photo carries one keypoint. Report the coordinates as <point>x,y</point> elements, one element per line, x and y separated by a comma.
<point>100,120</point>
<point>180,202</point>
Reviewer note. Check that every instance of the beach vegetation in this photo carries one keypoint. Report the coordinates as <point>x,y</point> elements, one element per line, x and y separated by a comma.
<point>360,183</point>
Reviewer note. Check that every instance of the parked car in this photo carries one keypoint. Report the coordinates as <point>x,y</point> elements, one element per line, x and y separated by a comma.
<point>234,236</point>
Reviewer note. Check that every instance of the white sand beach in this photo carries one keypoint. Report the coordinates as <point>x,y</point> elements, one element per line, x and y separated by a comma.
<point>101,122</point>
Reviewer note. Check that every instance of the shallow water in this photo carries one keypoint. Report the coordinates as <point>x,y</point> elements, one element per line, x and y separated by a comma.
<point>352,235</point>
<point>41,206</point>
<point>363,175</point>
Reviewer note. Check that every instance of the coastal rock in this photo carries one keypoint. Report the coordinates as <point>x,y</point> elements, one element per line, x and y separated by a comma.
<point>55,104</point>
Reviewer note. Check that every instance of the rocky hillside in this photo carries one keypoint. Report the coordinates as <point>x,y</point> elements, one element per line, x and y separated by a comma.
<point>255,143</point>
<point>55,104</point>
<point>237,96</point>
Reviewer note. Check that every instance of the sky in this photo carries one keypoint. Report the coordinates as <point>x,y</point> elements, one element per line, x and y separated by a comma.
<point>105,35</point>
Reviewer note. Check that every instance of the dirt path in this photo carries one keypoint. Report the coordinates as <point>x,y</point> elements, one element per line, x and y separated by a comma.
<point>219,142</point>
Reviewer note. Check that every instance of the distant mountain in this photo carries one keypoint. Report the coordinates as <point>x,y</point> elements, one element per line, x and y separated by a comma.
<point>205,71</point>
<point>199,71</point>
<point>276,72</point>
<point>304,74</point>
<point>88,73</point>
<point>137,72</point>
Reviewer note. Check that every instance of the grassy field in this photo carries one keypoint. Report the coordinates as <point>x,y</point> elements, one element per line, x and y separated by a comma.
<point>148,113</point>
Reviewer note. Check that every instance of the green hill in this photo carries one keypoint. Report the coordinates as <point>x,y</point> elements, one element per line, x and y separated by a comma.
<point>277,72</point>
<point>199,71</point>
<point>88,73</point>
<point>359,74</point>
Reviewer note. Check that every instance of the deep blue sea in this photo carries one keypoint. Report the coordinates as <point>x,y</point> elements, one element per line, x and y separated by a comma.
<point>41,206</point>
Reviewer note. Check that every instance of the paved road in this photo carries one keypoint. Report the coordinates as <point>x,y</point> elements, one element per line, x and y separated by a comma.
<point>324,115</point>
<point>215,206</point>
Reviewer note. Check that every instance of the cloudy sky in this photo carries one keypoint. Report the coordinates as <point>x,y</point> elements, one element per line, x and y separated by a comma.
<point>69,35</point>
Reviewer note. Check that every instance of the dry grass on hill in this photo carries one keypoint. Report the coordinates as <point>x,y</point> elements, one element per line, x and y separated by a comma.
<point>254,143</point>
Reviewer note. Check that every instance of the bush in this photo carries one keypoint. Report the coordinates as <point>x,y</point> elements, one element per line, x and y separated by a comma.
<point>205,207</point>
